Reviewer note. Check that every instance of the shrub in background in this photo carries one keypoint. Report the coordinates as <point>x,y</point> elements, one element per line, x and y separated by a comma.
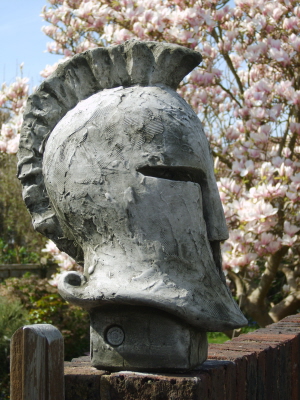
<point>44,305</point>
<point>19,242</point>
<point>12,316</point>
<point>12,253</point>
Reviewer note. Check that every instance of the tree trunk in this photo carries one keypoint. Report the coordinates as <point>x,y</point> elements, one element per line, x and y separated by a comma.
<point>286,307</point>
<point>257,311</point>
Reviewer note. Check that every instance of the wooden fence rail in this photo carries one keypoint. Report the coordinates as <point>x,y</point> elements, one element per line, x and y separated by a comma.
<point>18,270</point>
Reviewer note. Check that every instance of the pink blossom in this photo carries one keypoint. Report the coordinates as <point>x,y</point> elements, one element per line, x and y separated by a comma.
<point>285,89</point>
<point>3,146</point>
<point>259,226</point>
<point>277,13</point>
<point>237,167</point>
<point>274,246</point>
<point>296,178</point>
<point>64,261</point>
<point>297,11</point>
<point>13,145</point>
<point>232,133</point>
<point>254,153</point>
<point>249,168</point>
<point>275,112</point>
<point>277,161</point>
<point>230,185</point>
<point>292,193</point>
<point>259,113</point>
<point>296,97</point>
<point>290,229</point>
<point>238,261</point>
<point>268,191</point>
<point>256,211</point>
<point>49,69</point>
<point>286,152</point>
<point>295,127</point>
<point>290,23</point>
<point>295,42</point>
<point>280,56</point>
<point>266,238</point>
<point>267,243</point>
<point>203,79</point>
<point>208,51</point>
<point>286,171</point>
<point>287,240</point>
<point>274,43</point>
<point>259,137</point>
<point>254,51</point>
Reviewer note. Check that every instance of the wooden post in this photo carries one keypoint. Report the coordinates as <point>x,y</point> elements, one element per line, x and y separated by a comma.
<point>37,363</point>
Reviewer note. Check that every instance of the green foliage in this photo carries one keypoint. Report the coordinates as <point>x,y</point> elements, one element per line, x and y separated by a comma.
<point>45,305</point>
<point>11,253</point>
<point>217,337</point>
<point>12,316</point>
<point>220,337</point>
<point>72,321</point>
<point>15,222</point>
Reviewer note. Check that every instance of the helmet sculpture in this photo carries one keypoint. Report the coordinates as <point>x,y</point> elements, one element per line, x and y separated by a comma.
<point>118,172</point>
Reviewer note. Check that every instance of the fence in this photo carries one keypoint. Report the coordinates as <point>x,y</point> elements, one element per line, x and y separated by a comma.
<point>261,365</point>
<point>18,270</point>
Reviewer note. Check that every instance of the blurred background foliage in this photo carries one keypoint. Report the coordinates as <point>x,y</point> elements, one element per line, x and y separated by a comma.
<point>44,305</point>
<point>31,300</point>
<point>19,243</point>
<point>12,316</point>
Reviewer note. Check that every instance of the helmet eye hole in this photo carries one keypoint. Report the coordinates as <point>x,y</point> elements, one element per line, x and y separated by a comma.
<point>173,173</point>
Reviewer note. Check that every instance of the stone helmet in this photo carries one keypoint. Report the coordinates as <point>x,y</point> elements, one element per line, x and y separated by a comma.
<point>118,172</point>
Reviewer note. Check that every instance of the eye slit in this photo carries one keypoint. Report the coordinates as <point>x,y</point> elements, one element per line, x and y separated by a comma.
<point>183,174</point>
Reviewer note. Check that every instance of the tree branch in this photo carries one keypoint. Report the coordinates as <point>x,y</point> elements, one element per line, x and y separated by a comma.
<point>286,307</point>
<point>222,158</point>
<point>259,294</point>
<point>228,60</point>
<point>283,140</point>
<point>290,278</point>
<point>230,94</point>
<point>232,69</point>
<point>294,136</point>
<point>240,291</point>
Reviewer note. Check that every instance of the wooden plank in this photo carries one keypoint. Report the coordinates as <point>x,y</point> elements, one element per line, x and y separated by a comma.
<point>16,356</point>
<point>20,266</point>
<point>37,363</point>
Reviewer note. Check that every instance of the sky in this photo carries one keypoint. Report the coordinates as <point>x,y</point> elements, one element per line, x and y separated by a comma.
<point>21,40</point>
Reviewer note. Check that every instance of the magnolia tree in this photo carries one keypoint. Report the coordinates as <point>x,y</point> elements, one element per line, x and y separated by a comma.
<point>247,93</point>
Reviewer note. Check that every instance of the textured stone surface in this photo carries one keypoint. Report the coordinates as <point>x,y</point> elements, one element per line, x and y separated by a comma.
<point>82,381</point>
<point>133,182</point>
<point>132,386</point>
<point>143,339</point>
<point>75,80</point>
<point>243,368</point>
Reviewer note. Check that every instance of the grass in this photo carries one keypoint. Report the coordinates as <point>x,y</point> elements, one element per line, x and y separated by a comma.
<point>220,337</point>
<point>216,337</point>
